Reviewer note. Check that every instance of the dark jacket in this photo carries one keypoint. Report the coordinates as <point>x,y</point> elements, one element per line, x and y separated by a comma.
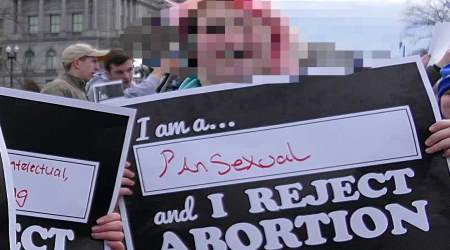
<point>434,74</point>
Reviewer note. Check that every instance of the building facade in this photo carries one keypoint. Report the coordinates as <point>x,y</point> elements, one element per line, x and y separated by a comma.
<point>43,28</point>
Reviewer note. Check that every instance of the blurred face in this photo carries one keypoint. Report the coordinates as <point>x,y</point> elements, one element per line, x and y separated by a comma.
<point>236,42</point>
<point>122,72</point>
<point>86,67</point>
<point>229,41</point>
<point>445,105</point>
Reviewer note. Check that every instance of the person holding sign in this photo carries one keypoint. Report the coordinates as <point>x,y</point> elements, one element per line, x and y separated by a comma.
<point>439,140</point>
<point>223,41</point>
<point>80,62</point>
<point>433,71</point>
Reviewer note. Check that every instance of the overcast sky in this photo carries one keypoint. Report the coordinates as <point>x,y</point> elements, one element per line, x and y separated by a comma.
<point>352,24</point>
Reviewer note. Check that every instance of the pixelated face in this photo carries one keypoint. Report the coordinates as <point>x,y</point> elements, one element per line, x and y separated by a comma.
<point>238,39</point>
<point>122,72</point>
<point>220,41</point>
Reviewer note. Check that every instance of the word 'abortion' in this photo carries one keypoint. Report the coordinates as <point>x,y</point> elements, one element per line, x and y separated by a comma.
<point>295,231</point>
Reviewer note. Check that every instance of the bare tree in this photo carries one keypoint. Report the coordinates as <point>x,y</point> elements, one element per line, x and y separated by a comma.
<point>423,15</point>
<point>420,16</point>
<point>427,13</point>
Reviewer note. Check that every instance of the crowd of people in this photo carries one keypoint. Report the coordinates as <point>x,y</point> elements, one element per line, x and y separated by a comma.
<point>85,67</point>
<point>82,71</point>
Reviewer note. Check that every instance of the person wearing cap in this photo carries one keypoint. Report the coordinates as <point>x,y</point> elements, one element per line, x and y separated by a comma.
<point>80,62</point>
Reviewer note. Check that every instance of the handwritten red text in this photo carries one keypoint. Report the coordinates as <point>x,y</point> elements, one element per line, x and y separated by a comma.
<point>227,166</point>
<point>40,169</point>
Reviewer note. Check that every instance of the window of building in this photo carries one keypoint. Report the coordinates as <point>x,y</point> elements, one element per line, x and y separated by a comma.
<point>51,60</point>
<point>29,56</point>
<point>55,23</point>
<point>32,24</point>
<point>77,22</point>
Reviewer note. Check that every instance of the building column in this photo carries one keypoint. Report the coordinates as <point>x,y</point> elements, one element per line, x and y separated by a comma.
<point>118,14</point>
<point>125,13</point>
<point>95,14</point>
<point>139,9</point>
<point>64,20</point>
<point>41,17</point>
<point>122,15</point>
<point>130,11</point>
<point>19,25</point>
<point>133,10</point>
<point>108,17</point>
<point>15,25</point>
<point>86,15</point>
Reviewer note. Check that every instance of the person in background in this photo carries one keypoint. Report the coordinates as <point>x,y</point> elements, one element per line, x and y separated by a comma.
<point>30,85</point>
<point>425,58</point>
<point>80,62</point>
<point>440,139</point>
<point>119,66</point>
<point>433,71</point>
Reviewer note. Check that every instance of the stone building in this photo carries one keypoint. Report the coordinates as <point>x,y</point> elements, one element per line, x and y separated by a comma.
<point>43,28</point>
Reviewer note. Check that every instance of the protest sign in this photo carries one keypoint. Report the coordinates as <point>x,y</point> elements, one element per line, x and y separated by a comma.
<point>333,162</point>
<point>7,208</point>
<point>67,158</point>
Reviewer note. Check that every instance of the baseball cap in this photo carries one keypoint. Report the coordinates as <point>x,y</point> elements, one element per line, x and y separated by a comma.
<point>79,50</point>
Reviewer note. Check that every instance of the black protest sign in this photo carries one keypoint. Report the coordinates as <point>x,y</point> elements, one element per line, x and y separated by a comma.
<point>7,208</point>
<point>67,157</point>
<point>334,162</point>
